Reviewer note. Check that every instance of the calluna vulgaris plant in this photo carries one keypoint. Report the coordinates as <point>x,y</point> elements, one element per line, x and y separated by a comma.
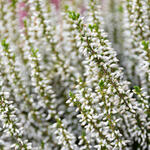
<point>75,75</point>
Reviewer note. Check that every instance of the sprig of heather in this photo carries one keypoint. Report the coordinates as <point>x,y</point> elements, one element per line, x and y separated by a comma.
<point>11,124</point>
<point>47,96</point>
<point>135,31</point>
<point>143,65</point>
<point>9,22</point>
<point>38,82</point>
<point>20,90</point>
<point>143,99</point>
<point>64,137</point>
<point>84,141</point>
<point>13,73</point>
<point>139,21</point>
<point>113,17</point>
<point>101,127</point>
<point>56,51</point>
<point>62,73</point>
<point>27,108</point>
<point>50,35</point>
<point>136,104</point>
<point>110,69</point>
<point>41,81</point>
<point>41,84</point>
<point>136,21</point>
<point>42,25</point>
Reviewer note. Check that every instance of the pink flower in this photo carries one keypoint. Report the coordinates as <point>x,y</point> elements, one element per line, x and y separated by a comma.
<point>22,13</point>
<point>56,3</point>
<point>83,9</point>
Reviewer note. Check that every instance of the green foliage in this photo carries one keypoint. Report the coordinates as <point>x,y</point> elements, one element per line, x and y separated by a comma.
<point>137,89</point>
<point>120,8</point>
<point>145,44</point>
<point>94,26</point>
<point>5,45</point>
<point>73,15</point>
<point>34,52</point>
<point>14,2</point>
<point>101,84</point>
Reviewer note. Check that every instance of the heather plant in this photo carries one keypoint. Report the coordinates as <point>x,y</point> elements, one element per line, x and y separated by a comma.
<point>75,75</point>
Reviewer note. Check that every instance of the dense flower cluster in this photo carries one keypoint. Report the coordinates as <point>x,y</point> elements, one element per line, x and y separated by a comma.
<point>75,80</point>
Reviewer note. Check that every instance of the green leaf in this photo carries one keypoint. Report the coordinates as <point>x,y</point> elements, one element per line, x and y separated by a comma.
<point>25,23</point>
<point>42,144</point>
<point>72,95</point>
<point>66,7</point>
<point>4,44</point>
<point>83,133</point>
<point>145,44</point>
<point>34,52</point>
<point>14,57</point>
<point>94,26</point>
<point>91,27</point>
<point>14,2</point>
<point>73,15</point>
<point>137,89</point>
<point>101,84</point>
<point>77,103</point>
<point>120,9</point>
<point>58,123</point>
<point>84,110</point>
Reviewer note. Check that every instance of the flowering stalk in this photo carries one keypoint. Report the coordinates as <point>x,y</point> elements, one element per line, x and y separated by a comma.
<point>90,120</point>
<point>143,66</point>
<point>9,115</point>
<point>12,125</point>
<point>14,75</point>
<point>135,31</point>
<point>84,142</point>
<point>52,51</point>
<point>144,103</point>
<point>63,136</point>
<point>20,91</point>
<point>110,70</point>
<point>49,102</point>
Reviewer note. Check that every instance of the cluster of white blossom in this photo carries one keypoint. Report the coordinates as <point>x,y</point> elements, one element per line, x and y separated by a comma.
<point>136,31</point>
<point>75,75</point>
